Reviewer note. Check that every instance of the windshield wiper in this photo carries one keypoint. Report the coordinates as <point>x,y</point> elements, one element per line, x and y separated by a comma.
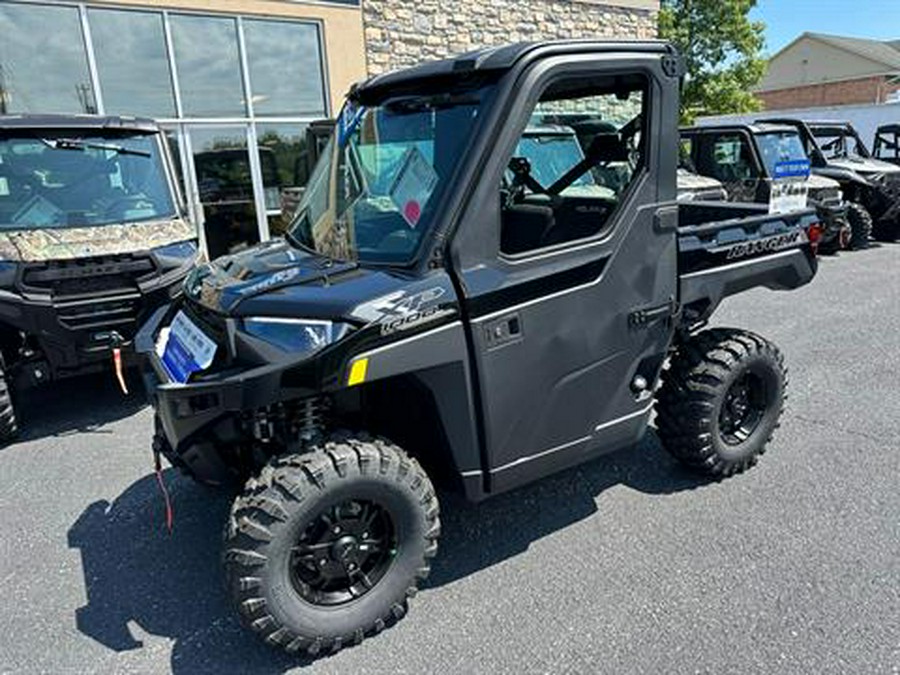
<point>76,144</point>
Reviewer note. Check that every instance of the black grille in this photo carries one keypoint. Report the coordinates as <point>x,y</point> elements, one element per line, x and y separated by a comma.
<point>88,276</point>
<point>99,314</point>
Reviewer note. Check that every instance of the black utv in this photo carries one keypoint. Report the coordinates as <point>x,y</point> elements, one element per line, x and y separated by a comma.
<point>93,239</point>
<point>887,144</point>
<point>446,311</point>
<point>749,158</point>
<point>837,152</point>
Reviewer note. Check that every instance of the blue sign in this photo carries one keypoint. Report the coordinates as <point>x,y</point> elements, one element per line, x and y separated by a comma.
<point>187,349</point>
<point>795,168</point>
<point>350,118</point>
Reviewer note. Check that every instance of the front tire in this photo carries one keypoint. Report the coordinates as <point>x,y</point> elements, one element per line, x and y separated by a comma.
<point>721,401</point>
<point>9,425</point>
<point>324,548</point>
<point>860,222</point>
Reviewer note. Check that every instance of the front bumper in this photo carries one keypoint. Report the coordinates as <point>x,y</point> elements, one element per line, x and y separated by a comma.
<point>187,413</point>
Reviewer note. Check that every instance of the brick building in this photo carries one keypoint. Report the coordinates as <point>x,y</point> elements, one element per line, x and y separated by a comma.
<point>818,70</point>
<point>239,81</point>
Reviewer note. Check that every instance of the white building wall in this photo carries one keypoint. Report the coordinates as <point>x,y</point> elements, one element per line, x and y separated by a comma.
<point>865,118</point>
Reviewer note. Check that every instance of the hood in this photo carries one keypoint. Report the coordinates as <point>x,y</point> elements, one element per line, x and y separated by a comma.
<point>691,181</point>
<point>864,166</point>
<point>275,279</point>
<point>817,182</point>
<point>85,242</point>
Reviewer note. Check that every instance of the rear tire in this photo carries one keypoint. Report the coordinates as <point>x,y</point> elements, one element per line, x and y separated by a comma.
<point>9,425</point>
<point>324,548</point>
<point>721,400</point>
<point>860,226</point>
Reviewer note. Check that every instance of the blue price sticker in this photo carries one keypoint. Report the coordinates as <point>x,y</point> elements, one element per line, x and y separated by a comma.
<point>795,168</point>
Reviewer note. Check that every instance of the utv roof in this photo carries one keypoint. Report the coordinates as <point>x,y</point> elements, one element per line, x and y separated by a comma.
<point>499,59</point>
<point>759,127</point>
<point>87,122</point>
<point>829,123</point>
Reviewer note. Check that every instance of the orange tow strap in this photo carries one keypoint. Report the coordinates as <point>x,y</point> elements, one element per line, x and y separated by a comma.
<point>117,365</point>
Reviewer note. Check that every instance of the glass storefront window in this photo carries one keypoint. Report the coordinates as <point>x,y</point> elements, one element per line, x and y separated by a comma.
<point>285,66</point>
<point>43,63</point>
<point>209,68</point>
<point>130,50</point>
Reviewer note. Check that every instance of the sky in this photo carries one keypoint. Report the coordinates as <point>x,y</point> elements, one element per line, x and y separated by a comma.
<point>786,19</point>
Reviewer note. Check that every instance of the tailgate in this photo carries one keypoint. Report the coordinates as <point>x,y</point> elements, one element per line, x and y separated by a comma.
<point>725,249</point>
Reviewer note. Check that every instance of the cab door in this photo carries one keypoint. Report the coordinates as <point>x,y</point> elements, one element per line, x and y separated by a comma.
<point>729,157</point>
<point>569,295</point>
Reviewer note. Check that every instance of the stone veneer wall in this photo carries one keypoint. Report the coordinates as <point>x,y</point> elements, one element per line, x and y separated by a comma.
<point>401,33</point>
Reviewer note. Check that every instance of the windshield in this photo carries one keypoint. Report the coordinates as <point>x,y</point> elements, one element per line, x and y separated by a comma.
<point>778,147</point>
<point>374,192</point>
<point>67,180</point>
<point>840,143</point>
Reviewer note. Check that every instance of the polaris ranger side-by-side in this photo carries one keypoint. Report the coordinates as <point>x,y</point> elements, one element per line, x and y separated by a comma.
<point>837,152</point>
<point>444,311</point>
<point>746,159</point>
<point>93,239</point>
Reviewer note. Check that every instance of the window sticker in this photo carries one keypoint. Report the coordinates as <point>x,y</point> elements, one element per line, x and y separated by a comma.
<point>413,186</point>
<point>790,186</point>
<point>4,187</point>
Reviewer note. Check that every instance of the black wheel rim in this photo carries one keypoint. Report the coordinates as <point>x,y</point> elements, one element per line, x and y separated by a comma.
<point>343,552</point>
<point>743,408</point>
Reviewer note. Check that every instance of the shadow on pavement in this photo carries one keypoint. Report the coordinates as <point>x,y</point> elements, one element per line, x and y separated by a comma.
<point>139,579</point>
<point>77,406</point>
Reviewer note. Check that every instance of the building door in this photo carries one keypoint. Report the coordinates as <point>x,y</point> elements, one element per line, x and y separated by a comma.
<point>223,188</point>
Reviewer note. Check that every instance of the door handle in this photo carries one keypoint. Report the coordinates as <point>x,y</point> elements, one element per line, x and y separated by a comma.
<point>502,331</point>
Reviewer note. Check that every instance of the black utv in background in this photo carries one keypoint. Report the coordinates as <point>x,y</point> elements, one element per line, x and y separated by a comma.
<point>887,144</point>
<point>446,309</point>
<point>837,152</point>
<point>93,239</point>
<point>745,159</point>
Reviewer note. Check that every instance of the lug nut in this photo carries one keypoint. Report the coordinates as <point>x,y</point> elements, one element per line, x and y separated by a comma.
<point>323,562</point>
<point>337,530</point>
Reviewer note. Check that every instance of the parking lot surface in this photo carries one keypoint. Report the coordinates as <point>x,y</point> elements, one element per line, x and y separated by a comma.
<point>626,564</point>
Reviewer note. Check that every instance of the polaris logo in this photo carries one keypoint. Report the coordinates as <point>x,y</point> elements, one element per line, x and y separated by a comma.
<point>768,245</point>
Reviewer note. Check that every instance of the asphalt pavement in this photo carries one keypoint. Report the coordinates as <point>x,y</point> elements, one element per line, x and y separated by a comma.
<point>628,564</point>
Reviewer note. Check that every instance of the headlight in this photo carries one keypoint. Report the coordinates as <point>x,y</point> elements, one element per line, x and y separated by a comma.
<point>175,255</point>
<point>301,336</point>
<point>8,272</point>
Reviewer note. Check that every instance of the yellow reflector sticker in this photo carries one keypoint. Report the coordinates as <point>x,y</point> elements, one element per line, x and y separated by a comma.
<point>358,372</point>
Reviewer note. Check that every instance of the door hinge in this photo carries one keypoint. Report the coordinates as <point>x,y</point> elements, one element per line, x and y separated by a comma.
<point>644,317</point>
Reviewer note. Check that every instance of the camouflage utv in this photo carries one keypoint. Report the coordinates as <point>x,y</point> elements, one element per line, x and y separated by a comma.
<point>93,238</point>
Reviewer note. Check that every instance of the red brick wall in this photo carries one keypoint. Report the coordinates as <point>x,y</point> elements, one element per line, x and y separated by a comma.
<point>864,90</point>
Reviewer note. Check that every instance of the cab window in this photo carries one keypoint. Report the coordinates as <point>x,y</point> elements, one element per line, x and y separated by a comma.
<point>574,162</point>
<point>730,160</point>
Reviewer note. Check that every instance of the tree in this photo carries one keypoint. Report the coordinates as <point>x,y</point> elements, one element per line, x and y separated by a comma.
<point>721,48</point>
